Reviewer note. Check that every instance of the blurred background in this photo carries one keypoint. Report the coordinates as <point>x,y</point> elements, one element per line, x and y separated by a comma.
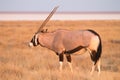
<point>68,9</point>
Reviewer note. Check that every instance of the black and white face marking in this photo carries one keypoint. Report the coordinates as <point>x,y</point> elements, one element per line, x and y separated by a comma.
<point>34,41</point>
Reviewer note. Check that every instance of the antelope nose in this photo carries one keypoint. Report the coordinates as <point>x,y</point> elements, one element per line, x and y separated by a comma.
<point>30,44</point>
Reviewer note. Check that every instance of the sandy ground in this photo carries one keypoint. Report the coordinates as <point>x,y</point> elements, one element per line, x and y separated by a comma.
<point>19,62</point>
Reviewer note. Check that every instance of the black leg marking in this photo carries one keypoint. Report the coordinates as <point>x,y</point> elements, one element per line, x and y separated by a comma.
<point>61,57</point>
<point>94,56</point>
<point>68,56</point>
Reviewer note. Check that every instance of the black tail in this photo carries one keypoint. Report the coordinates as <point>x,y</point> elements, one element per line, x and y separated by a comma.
<point>99,49</point>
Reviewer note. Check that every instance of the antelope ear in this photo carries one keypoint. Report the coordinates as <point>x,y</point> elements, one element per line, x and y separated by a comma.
<point>44,30</point>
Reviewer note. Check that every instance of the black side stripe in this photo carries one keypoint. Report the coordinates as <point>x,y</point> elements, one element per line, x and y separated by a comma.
<point>74,50</point>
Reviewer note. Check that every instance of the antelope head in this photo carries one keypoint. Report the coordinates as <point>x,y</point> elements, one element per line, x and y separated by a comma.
<point>34,41</point>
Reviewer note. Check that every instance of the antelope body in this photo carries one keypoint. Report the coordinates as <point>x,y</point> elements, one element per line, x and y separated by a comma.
<point>67,42</point>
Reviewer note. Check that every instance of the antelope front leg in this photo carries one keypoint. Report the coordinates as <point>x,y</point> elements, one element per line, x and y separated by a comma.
<point>68,56</point>
<point>61,58</point>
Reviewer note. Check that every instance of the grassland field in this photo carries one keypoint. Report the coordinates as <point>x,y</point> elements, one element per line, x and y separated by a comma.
<point>19,62</point>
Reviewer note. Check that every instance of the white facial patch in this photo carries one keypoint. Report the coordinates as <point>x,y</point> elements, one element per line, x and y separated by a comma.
<point>36,39</point>
<point>31,44</point>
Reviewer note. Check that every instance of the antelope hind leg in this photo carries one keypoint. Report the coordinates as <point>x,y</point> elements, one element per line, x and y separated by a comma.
<point>92,69</point>
<point>98,66</point>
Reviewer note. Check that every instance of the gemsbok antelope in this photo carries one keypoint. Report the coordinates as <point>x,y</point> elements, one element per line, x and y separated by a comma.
<point>66,42</point>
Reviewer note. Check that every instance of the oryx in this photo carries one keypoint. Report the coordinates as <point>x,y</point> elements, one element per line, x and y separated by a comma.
<point>67,42</point>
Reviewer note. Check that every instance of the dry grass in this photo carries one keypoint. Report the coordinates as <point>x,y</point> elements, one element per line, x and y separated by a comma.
<point>19,62</point>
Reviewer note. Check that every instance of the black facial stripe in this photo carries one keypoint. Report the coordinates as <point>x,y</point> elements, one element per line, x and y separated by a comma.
<point>33,41</point>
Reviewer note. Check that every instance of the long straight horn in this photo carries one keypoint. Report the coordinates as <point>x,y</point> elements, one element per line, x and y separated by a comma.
<point>47,19</point>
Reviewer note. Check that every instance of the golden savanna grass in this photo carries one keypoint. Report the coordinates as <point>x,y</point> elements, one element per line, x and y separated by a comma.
<point>19,62</point>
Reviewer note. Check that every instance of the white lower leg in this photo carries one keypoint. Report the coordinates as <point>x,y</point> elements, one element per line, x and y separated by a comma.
<point>92,70</point>
<point>70,65</point>
<point>61,64</point>
<point>98,67</point>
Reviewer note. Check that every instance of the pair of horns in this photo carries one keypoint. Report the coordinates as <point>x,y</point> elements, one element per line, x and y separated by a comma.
<point>47,19</point>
